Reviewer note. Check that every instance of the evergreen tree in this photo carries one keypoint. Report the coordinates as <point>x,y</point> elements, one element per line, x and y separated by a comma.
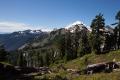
<point>76,37</point>
<point>117,17</point>
<point>115,38</point>
<point>59,43</point>
<point>46,59</point>
<point>109,41</point>
<point>3,53</point>
<point>68,46</point>
<point>84,47</point>
<point>40,60</point>
<point>97,26</point>
<point>21,61</point>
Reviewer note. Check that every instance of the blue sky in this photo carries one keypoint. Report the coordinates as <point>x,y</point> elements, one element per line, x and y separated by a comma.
<point>50,14</point>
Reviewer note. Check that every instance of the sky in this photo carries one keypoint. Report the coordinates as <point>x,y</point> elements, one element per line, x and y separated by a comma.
<point>18,15</point>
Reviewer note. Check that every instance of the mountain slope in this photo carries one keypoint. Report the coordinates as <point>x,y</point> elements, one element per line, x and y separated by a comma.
<point>15,40</point>
<point>48,41</point>
<point>80,63</point>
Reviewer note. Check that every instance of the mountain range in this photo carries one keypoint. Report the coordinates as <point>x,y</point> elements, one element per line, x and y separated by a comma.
<point>20,39</point>
<point>15,40</point>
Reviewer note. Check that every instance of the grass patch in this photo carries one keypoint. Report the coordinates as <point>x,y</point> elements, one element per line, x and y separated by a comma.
<point>81,63</point>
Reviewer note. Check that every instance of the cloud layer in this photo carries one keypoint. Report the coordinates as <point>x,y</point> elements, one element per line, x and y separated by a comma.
<point>8,27</point>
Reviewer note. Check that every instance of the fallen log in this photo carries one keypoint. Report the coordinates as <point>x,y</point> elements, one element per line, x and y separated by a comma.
<point>101,67</point>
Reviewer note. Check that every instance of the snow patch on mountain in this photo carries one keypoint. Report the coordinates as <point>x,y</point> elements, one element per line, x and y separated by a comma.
<point>29,32</point>
<point>74,23</point>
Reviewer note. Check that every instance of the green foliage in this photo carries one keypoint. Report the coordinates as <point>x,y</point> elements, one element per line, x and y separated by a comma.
<point>3,53</point>
<point>68,46</point>
<point>118,25</point>
<point>117,17</point>
<point>59,44</point>
<point>21,61</point>
<point>84,47</point>
<point>76,38</point>
<point>81,63</point>
<point>110,42</point>
<point>100,76</point>
<point>97,26</point>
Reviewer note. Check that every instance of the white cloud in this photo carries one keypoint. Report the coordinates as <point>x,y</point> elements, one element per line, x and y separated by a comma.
<point>8,27</point>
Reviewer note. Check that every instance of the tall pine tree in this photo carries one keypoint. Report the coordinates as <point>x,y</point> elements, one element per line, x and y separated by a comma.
<point>97,26</point>
<point>3,53</point>
<point>117,17</point>
<point>68,46</point>
<point>76,37</point>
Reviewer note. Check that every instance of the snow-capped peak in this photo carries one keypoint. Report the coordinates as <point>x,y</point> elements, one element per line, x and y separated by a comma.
<point>74,23</point>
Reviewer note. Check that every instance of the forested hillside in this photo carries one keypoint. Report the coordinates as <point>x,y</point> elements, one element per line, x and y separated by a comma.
<point>73,42</point>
